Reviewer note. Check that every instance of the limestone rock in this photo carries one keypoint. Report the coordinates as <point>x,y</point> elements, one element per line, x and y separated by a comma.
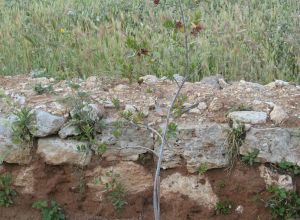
<point>250,117</point>
<point>69,130</point>
<point>274,144</point>
<point>128,145</point>
<point>11,152</point>
<point>61,151</point>
<point>25,179</point>
<point>130,108</point>
<point>190,186</point>
<point>239,209</point>
<point>197,144</point>
<point>278,115</point>
<point>272,178</point>
<point>149,79</point>
<point>16,155</point>
<point>281,83</point>
<point>108,104</point>
<point>251,87</point>
<point>212,80</point>
<point>223,84</point>
<point>45,124</point>
<point>178,78</point>
<point>202,106</point>
<point>21,100</point>
<point>133,177</point>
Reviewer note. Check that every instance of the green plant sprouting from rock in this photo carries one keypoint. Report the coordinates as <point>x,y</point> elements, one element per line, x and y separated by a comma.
<point>289,167</point>
<point>283,204</point>
<point>202,169</point>
<point>115,192</point>
<point>116,103</point>
<point>6,192</point>
<point>235,139</point>
<point>224,207</point>
<point>21,126</point>
<point>40,89</point>
<point>178,106</point>
<point>49,211</point>
<point>251,157</point>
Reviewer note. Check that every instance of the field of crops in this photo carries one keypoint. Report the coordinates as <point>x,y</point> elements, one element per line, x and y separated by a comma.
<point>257,40</point>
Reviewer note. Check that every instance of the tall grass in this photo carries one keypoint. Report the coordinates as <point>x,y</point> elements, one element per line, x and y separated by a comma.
<point>257,40</point>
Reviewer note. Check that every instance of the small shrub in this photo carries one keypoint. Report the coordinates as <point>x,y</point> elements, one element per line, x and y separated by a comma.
<point>235,139</point>
<point>100,125</point>
<point>40,89</point>
<point>138,117</point>
<point>178,106</point>
<point>82,120</point>
<point>6,192</point>
<point>202,169</point>
<point>117,132</point>
<point>73,86</point>
<point>82,148</point>
<point>251,157</point>
<point>283,204</point>
<point>223,207</point>
<point>133,117</point>
<point>52,212</point>
<point>116,103</point>
<point>289,167</point>
<point>126,115</point>
<point>149,90</point>
<point>172,129</point>
<point>21,131</point>
<point>101,148</point>
<point>115,192</point>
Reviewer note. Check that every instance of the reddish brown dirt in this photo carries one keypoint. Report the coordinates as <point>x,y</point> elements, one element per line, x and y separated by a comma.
<point>61,183</point>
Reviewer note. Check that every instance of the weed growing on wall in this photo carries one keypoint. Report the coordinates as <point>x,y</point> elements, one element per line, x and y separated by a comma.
<point>21,131</point>
<point>283,204</point>
<point>49,211</point>
<point>6,191</point>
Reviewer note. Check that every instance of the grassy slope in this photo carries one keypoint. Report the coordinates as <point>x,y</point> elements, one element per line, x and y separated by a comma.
<point>256,40</point>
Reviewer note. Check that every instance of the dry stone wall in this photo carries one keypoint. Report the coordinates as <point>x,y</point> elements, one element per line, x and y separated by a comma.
<point>211,108</point>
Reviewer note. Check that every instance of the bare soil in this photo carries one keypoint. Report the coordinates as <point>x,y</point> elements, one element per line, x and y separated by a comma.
<point>243,186</point>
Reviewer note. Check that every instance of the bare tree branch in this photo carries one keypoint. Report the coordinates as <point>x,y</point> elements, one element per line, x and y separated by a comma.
<point>156,185</point>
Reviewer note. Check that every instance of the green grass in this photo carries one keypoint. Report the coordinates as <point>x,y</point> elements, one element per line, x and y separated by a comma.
<point>255,40</point>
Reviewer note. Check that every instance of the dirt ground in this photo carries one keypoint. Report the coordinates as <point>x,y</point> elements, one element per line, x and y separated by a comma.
<point>243,186</point>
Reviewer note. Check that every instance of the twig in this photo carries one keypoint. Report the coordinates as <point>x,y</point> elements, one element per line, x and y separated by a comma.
<point>176,82</point>
<point>148,127</point>
<point>156,185</point>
